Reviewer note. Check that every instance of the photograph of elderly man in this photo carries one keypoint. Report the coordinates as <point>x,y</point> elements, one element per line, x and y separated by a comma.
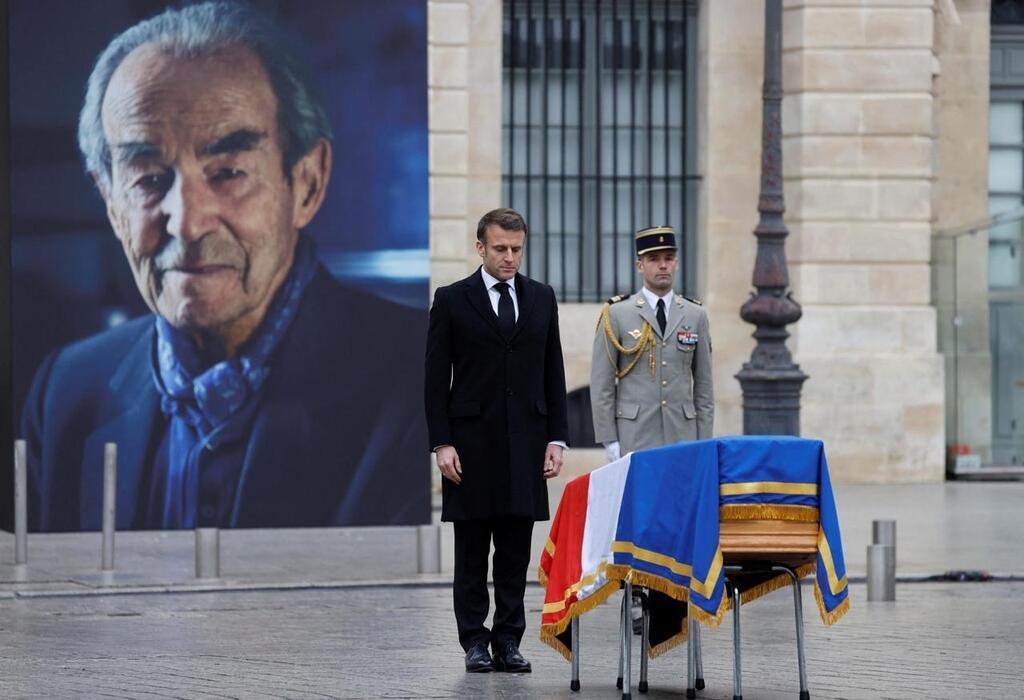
<point>258,390</point>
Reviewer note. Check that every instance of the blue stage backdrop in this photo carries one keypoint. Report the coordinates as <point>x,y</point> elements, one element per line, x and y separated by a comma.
<point>333,434</point>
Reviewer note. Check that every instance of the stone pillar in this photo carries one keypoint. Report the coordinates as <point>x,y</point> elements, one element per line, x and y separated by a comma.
<point>858,156</point>
<point>960,199</point>
<point>730,58</point>
<point>464,93</point>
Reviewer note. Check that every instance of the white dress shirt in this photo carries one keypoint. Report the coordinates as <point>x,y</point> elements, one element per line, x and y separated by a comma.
<point>495,295</point>
<point>652,299</point>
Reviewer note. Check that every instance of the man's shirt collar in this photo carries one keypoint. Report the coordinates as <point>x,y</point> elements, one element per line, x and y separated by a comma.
<point>652,298</point>
<point>490,280</point>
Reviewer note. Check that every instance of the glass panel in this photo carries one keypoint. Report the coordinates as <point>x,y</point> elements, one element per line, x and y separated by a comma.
<point>1005,170</point>
<point>1005,123</point>
<point>998,204</point>
<point>1003,264</point>
<point>1009,231</point>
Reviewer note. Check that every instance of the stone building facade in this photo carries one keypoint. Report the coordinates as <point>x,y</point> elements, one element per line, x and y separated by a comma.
<point>885,146</point>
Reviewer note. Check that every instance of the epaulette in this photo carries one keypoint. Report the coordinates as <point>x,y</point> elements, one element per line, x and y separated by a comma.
<point>695,301</point>
<point>617,298</point>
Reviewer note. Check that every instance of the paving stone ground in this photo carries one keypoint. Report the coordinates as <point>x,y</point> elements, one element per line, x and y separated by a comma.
<point>344,613</point>
<point>948,640</point>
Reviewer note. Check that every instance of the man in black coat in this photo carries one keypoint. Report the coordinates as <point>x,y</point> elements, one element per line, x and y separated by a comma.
<point>496,414</point>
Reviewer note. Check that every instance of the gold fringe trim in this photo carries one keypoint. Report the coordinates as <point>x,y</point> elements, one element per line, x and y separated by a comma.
<point>830,618</point>
<point>669,644</point>
<point>549,632</point>
<point>657,583</point>
<point>707,619</point>
<point>774,584</point>
<point>618,573</point>
<point>555,643</point>
<point>768,511</point>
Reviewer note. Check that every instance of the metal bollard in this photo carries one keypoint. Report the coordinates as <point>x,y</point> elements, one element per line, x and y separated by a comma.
<point>109,504</point>
<point>881,572</point>
<point>428,549</point>
<point>207,552</point>
<point>883,532</point>
<point>20,502</point>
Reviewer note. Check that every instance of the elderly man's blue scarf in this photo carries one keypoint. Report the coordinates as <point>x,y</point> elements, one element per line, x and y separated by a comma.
<point>218,402</point>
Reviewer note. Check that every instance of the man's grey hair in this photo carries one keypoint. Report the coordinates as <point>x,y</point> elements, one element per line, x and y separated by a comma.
<point>200,30</point>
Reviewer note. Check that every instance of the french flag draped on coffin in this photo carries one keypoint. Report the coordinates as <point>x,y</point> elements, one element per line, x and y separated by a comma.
<point>652,518</point>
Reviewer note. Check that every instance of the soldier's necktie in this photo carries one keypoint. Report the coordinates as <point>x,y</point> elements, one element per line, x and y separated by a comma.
<point>662,321</point>
<point>506,311</point>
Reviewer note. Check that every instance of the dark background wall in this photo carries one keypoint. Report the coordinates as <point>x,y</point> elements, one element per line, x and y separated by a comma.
<point>6,453</point>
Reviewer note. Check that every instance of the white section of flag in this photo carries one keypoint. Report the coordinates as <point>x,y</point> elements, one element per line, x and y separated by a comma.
<point>604,496</point>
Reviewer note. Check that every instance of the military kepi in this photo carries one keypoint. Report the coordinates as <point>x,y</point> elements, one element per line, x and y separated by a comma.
<point>655,238</point>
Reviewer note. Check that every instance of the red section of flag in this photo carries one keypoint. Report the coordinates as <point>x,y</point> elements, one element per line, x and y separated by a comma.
<point>566,538</point>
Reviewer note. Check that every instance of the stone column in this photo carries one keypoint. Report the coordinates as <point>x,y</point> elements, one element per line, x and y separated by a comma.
<point>464,93</point>
<point>730,58</point>
<point>858,160</point>
<point>960,199</point>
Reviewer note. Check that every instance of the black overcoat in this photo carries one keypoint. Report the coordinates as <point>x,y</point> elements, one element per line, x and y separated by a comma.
<point>333,441</point>
<point>499,401</point>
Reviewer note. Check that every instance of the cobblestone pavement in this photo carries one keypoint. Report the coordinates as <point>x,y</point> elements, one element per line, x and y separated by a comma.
<point>938,640</point>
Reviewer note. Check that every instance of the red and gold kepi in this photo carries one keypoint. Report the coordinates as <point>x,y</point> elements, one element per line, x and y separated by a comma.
<point>655,238</point>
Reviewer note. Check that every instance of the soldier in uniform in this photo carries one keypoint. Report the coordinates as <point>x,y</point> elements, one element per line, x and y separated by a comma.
<point>650,376</point>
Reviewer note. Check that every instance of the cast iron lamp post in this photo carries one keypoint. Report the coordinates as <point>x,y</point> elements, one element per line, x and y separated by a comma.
<point>771,381</point>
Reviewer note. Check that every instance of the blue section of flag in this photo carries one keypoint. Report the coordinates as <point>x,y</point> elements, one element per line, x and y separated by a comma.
<point>670,507</point>
<point>669,517</point>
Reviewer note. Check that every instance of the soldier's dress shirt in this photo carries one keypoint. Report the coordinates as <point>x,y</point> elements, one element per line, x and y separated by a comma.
<point>652,298</point>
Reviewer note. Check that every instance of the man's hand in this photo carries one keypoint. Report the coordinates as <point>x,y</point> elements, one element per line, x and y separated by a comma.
<point>449,464</point>
<point>552,461</point>
<point>612,450</point>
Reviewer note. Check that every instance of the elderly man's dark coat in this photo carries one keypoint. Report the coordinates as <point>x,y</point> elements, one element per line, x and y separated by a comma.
<point>333,442</point>
<point>499,401</point>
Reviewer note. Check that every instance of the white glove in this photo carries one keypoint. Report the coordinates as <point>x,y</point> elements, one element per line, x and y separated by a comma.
<point>612,450</point>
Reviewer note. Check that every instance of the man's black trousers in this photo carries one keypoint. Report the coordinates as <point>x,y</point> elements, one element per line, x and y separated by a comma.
<point>512,538</point>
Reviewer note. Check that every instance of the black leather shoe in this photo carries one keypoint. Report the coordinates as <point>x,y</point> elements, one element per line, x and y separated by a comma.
<point>508,659</point>
<point>478,660</point>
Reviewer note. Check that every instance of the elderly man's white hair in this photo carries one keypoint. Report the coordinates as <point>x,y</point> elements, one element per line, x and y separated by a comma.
<point>199,30</point>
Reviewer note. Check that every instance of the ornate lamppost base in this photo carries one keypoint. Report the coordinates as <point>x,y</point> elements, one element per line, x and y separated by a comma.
<point>771,400</point>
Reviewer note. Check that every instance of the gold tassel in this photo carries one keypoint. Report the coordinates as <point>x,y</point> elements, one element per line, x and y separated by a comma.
<point>768,511</point>
<point>774,584</point>
<point>669,644</point>
<point>549,632</point>
<point>707,619</point>
<point>657,583</point>
<point>618,573</point>
<point>542,577</point>
<point>830,618</point>
<point>555,643</point>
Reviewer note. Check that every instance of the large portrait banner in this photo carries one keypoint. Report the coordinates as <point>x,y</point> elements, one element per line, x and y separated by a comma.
<point>218,261</point>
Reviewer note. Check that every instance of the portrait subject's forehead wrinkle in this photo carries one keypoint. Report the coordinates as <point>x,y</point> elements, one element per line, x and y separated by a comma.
<point>134,151</point>
<point>237,141</point>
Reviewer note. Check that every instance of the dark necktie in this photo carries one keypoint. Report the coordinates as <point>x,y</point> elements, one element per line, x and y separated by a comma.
<point>506,311</point>
<point>662,322</point>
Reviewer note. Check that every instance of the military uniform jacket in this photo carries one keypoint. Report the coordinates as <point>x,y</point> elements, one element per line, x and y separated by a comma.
<point>647,409</point>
